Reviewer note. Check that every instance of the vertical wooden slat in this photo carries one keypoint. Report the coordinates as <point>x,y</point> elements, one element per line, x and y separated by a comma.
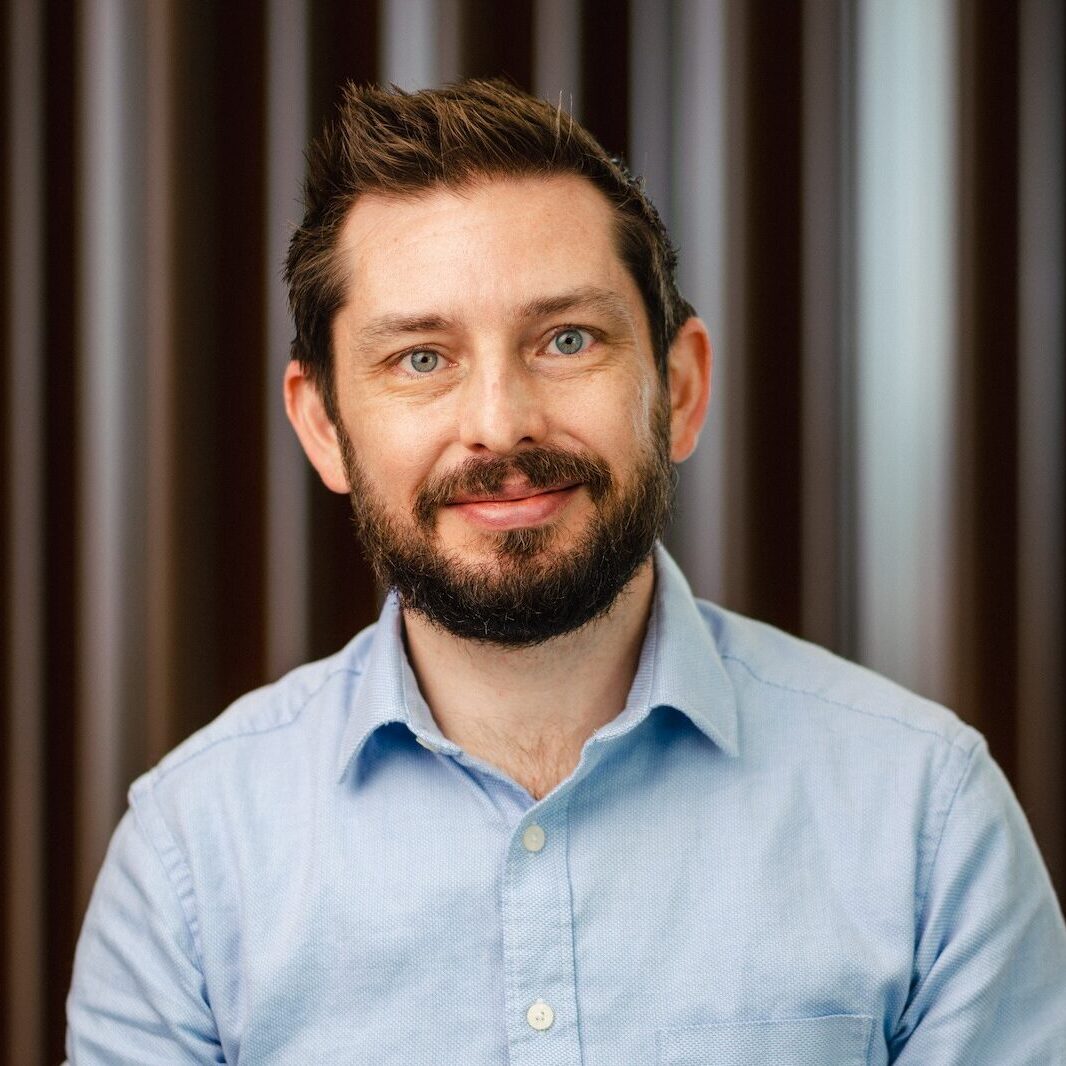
<point>557,29</point>
<point>987,371</point>
<point>344,44</point>
<point>62,520</point>
<point>772,439</point>
<point>191,446</point>
<point>159,708</point>
<point>826,234</point>
<point>605,73</point>
<point>497,41</point>
<point>450,27</point>
<point>410,54</point>
<point>847,489</point>
<point>703,172</point>
<point>905,341</point>
<point>652,63</point>
<point>24,748</point>
<point>287,621</point>
<point>110,432</point>
<point>7,717</point>
<point>235,365</point>
<point>1041,420</point>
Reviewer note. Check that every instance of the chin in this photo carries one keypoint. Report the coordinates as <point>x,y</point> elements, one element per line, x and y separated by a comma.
<point>500,548</point>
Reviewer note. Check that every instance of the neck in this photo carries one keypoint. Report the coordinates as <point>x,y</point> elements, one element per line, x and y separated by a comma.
<point>529,711</point>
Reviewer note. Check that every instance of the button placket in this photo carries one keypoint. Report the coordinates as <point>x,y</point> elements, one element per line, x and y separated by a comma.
<point>538,941</point>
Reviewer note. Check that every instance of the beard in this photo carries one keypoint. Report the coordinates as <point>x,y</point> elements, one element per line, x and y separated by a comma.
<point>537,589</point>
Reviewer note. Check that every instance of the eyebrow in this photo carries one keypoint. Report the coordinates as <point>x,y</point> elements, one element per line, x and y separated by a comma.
<point>585,297</point>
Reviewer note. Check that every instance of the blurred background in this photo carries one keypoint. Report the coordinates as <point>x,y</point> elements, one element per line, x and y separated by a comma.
<point>868,198</point>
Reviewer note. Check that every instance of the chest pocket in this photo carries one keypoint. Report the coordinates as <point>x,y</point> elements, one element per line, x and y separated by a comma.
<point>836,1040</point>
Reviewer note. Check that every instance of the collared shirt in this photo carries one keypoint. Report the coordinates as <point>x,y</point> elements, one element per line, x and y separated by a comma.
<point>770,856</point>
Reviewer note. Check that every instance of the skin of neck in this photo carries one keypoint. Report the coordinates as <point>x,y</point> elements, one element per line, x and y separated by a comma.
<point>529,711</point>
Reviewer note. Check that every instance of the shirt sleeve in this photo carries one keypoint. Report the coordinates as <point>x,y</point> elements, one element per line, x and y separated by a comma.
<point>989,985</point>
<point>138,994</point>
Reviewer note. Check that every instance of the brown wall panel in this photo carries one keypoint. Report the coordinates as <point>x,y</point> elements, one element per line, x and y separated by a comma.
<point>61,515</point>
<point>6,607</point>
<point>497,40</point>
<point>236,365</point>
<point>344,43</point>
<point>988,362</point>
<point>773,439</point>
<point>343,46</point>
<point>605,73</point>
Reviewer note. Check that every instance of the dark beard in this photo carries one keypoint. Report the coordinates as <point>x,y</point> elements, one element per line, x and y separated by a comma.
<point>537,593</point>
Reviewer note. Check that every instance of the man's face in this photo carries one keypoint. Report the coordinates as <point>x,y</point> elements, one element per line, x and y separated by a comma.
<point>503,428</point>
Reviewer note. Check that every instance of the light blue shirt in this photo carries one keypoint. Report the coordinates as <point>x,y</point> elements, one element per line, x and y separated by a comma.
<point>770,858</point>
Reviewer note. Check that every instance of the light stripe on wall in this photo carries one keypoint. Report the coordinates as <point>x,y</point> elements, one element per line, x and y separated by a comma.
<point>111,430</point>
<point>557,53</point>
<point>651,96</point>
<point>411,42</point>
<point>826,305</point>
<point>906,339</point>
<point>288,580</point>
<point>705,179</point>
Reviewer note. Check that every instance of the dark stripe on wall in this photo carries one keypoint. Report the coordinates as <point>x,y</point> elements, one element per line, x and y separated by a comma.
<point>343,46</point>
<point>773,442</point>
<point>61,516</point>
<point>988,313</point>
<point>605,73</point>
<point>344,40</point>
<point>497,41</point>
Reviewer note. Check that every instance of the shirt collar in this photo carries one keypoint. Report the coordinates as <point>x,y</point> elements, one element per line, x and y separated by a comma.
<point>387,692</point>
<point>679,667</point>
<point>684,668</point>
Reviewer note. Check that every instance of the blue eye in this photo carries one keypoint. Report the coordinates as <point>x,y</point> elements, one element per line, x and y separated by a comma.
<point>570,341</point>
<point>423,361</point>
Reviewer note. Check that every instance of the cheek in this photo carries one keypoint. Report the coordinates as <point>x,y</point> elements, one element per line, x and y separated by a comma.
<point>396,453</point>
<point>634,426</point>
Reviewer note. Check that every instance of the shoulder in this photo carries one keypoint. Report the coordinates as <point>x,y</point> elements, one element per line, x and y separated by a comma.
<point>801,683</point>
<point>862,755</point>
<point>265,730</point>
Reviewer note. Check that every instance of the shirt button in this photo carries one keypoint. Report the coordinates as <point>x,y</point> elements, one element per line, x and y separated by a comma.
<point>540,1015</point>
<point>533,840</point>
<point>426,744</point>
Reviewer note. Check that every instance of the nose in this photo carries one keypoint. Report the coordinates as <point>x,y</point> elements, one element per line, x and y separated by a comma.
<point>502,408</point>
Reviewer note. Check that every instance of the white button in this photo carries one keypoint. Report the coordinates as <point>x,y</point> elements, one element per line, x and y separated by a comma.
<point>533,840</point>
<point>540,1015</point>
<point>426,744</point>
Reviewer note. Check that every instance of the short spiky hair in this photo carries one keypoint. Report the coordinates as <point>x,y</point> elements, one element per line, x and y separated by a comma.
<point>397,142</point>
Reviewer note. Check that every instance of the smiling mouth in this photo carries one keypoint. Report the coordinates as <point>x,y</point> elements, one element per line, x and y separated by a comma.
<point>514,508</point>
<point>512,495</point>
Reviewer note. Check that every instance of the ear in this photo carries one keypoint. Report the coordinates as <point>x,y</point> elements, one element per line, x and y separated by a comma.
<point>689,364</point>
<point>318,435</point>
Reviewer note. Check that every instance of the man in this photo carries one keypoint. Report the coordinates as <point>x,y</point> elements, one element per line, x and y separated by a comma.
<point>551,809</point>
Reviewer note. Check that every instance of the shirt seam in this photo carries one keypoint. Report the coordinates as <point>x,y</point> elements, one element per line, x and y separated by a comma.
<point>189,918</point>
<point>931,865</point>
<point>865,711</point>
<point>162,772</point>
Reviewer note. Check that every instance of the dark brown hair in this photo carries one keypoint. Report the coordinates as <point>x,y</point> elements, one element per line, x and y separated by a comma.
<point>396,142</point>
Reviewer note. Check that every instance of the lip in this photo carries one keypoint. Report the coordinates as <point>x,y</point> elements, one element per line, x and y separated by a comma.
<point>509,493</point>
<point>515,507</point>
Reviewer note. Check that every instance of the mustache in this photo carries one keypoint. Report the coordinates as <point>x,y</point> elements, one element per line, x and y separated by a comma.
<point>542,467</point>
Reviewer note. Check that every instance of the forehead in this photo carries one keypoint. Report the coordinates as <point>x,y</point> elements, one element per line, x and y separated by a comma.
<point>494,242</point>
